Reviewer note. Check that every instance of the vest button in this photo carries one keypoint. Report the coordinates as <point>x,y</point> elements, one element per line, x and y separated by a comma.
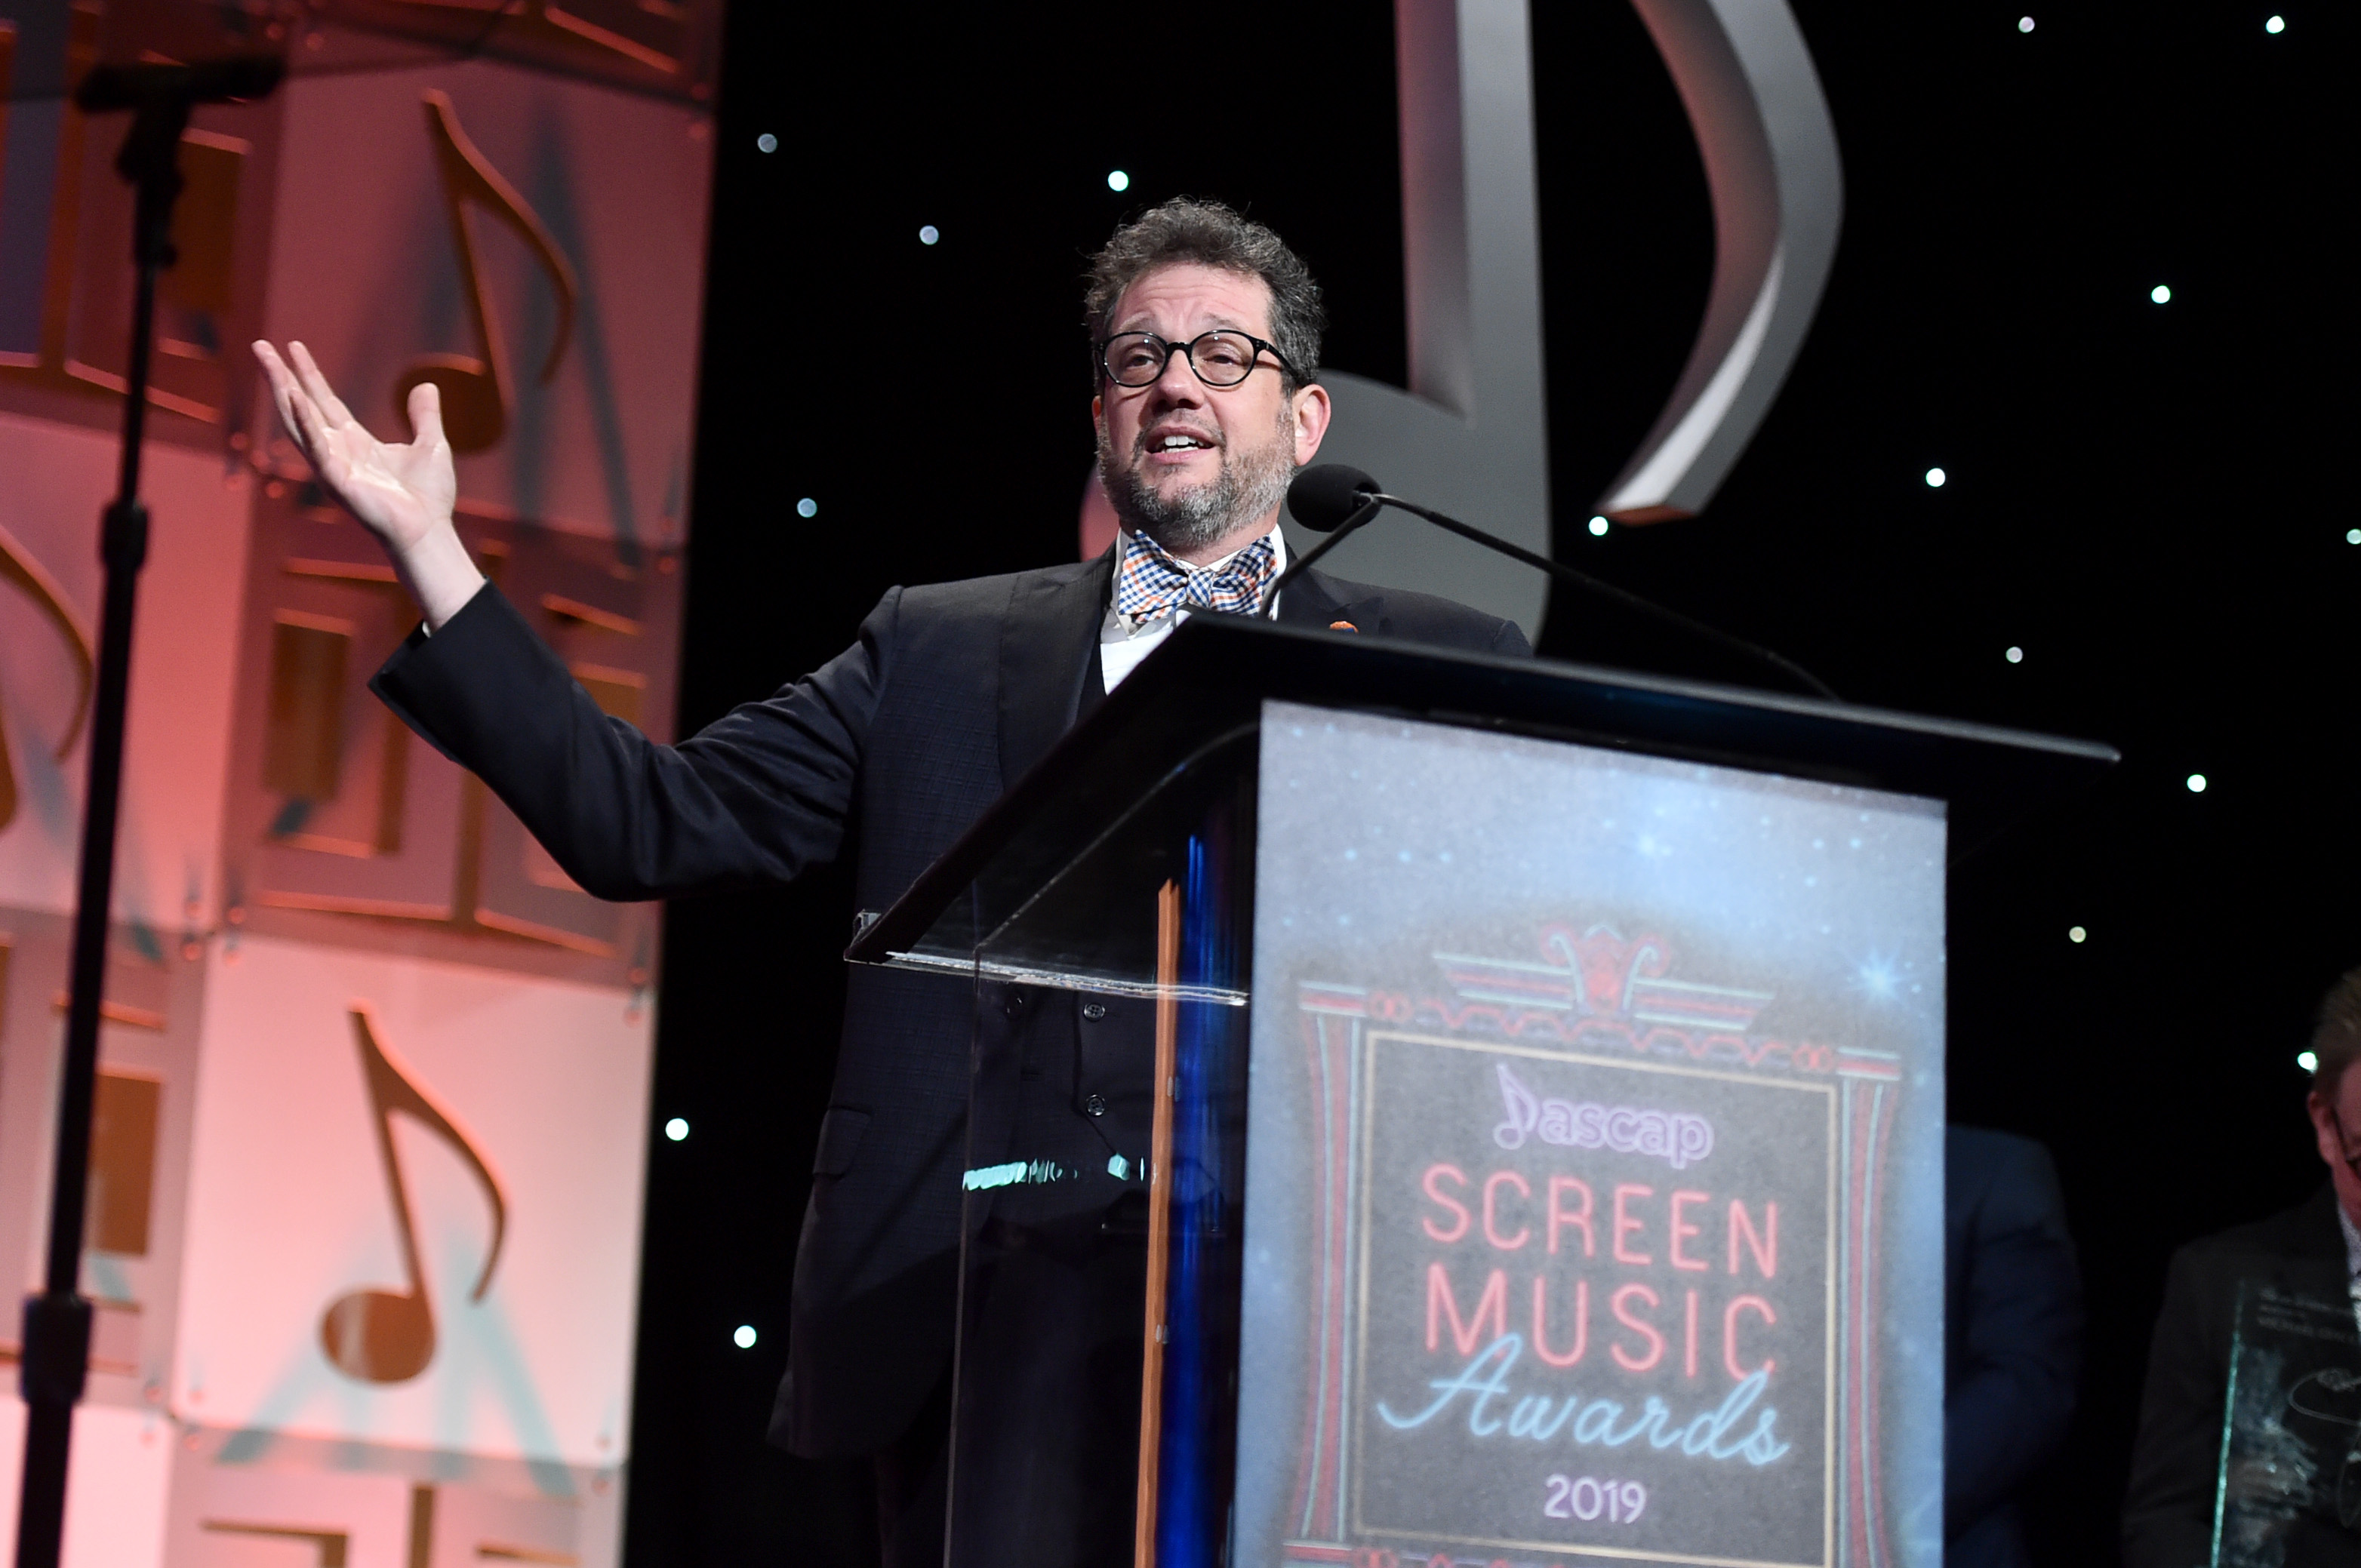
<point>1095,1105</point>
<point>1094,1012</point>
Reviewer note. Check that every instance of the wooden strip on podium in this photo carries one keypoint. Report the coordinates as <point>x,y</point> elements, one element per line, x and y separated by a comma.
<point>1159,1218</point>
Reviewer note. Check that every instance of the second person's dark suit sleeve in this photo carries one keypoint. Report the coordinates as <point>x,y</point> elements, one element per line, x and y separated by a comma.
<point>2169,1504</point>
<point>756,797</point>
<point>2010,1402</point>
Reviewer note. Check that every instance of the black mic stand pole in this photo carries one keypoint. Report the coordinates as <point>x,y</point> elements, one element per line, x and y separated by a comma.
<point>58,1320</point>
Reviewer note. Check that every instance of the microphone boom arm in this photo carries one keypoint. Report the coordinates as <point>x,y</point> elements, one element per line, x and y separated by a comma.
<point>1361,514</point>
<point>1363,489</point>
<point>1623,596</point>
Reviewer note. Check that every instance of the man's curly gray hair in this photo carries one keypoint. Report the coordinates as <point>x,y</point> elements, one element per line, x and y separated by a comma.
<point>1211,235</point>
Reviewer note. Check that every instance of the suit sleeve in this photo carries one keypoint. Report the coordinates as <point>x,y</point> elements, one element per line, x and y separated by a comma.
<point>2168,1503</point>
<point>2024,1340</point>
<point>755,797</point>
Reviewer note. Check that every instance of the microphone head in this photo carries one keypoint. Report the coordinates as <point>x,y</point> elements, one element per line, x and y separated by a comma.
<point>1325,494</point>
<point>234,79</point>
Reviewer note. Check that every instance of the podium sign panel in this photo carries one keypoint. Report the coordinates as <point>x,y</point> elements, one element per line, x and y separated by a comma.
<point>1594,1186</point>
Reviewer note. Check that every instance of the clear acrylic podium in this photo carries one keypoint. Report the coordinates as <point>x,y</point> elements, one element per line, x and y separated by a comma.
<point>1528,1145</point>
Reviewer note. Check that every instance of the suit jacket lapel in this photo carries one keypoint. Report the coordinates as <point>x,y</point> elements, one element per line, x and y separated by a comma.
<point>1313,600</point>
<point>1045,647</point>
<point>1050,640</point>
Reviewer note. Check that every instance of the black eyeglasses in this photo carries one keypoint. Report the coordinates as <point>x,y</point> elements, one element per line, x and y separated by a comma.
<point>1221,358</point>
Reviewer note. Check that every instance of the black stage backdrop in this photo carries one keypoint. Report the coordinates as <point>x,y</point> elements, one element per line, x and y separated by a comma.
<point>2148,500</point>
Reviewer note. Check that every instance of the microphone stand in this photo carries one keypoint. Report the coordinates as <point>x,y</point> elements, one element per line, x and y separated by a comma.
<point>58,1319</point>
<point>1565,574</point>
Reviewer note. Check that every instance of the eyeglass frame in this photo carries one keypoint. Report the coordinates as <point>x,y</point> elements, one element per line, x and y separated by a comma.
<point>1188,356</point>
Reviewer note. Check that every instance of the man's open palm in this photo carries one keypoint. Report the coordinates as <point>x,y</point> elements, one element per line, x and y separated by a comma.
<point>400,493</point>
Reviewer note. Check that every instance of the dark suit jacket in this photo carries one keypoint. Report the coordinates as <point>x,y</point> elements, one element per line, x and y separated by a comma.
<point>2176,1460</point>
<point>948,695</point>
<point>2013,1327</point>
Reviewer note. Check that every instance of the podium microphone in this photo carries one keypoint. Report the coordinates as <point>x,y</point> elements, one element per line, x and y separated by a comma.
<point>1334,500</point>
<point>160,98</point>
<point>1330,498</point>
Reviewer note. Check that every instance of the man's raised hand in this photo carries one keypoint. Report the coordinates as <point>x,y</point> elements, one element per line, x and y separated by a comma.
<point>401,494</point>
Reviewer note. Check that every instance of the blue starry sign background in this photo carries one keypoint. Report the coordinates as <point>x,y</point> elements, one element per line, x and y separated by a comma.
<point>1491,972</point>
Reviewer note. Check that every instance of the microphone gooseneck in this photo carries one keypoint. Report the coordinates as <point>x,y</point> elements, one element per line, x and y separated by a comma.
<point>1334,499</point>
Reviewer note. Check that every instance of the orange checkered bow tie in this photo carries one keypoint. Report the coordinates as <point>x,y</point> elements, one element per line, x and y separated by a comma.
<point>1150,583</point>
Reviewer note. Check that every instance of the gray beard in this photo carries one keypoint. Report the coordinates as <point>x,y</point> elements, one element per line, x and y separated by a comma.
<point>1251,483</point>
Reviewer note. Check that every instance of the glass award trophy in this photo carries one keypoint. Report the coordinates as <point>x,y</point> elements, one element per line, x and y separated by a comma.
<point>2290,1491</point>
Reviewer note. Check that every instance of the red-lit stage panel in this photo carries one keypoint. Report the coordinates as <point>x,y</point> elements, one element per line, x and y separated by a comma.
<point>371,1119</point>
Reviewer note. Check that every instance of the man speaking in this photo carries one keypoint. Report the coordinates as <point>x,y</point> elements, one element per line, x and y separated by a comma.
<point>1206,332</point>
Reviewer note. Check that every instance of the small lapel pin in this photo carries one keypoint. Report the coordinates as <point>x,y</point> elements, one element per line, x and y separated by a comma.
<point>1342,626</point>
